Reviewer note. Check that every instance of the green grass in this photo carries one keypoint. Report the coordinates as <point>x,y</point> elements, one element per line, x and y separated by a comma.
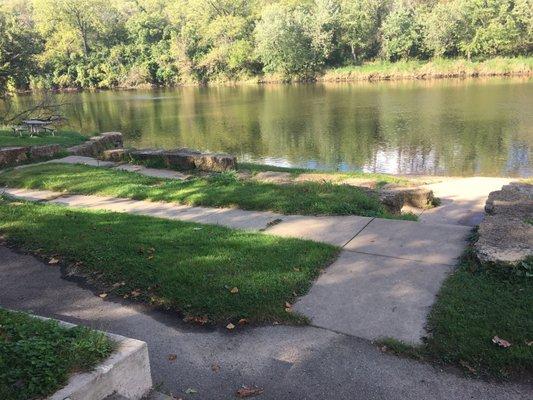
<point>437,68</point>
<point>474,305</point>
<point>63,138</point>
<point>37,356</point>
<point>179,266</point>
<point>222,190</point>
<point>380,179</point>
<point>253,167</point>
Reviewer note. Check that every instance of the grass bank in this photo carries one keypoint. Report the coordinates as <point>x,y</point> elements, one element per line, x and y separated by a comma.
<point>333,176</point>
<point>434,69</point>
<point>222,190</point>
<point>208,273</point>
<point>37,356</point>
<point>63,138</point>
<point>474,305</point>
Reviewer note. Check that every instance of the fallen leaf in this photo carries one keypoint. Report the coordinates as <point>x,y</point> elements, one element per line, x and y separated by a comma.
<point>530,343</point>
<point>230,326</point>
<point>191,391</point>
<point>234,290</point>
<point>136,292</point>
<point>215,367</point>
<point>296,269</point>
<point>53,261</point>
<point>467,366</point>
<point>172,357</point>
<point>103,295</point>
<point>288,305</point>
<point>243,321</point>
<point>249,391</point>
<point>501,342</point>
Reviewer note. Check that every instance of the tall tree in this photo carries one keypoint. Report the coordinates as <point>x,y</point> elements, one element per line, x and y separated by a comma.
<point>360,21</point>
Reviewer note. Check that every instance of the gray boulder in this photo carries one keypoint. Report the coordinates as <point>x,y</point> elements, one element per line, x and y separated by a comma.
<point>506,233</point>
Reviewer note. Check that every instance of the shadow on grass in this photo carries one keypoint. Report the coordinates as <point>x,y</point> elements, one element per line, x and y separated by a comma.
<point>223,191</point>
<point>174,265</point>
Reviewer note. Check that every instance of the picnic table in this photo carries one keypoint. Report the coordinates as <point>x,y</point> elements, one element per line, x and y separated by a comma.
<point>36,125</point>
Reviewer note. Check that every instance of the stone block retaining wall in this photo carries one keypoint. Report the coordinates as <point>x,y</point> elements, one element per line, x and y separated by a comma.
<point>506,233</point>
<point>96,145</point>
<point>184,159</point>
<point>10,156</point>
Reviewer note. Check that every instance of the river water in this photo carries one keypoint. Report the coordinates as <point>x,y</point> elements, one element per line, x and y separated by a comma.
<point>441,127</point>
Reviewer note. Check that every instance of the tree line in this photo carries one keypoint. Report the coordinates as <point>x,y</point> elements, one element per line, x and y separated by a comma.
<point>131,43</point>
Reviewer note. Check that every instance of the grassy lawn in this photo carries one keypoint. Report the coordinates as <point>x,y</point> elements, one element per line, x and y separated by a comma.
<point>179,266</point>
<point>222,190</point>
<point>380,179</point>
<point>36,356</point>
<point>63,138</point>
<point>474,305</point>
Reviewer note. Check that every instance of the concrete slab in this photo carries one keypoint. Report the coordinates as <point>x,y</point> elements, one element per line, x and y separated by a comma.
<point>154,209</point>
<point>431,243</point>
<point>233,218</point>
<point>337,230</point>
<point>31,194</point>
<point>152,172</point>
<point>463,200</point>
<point>125,373</point>
<point>240,219</point>
<point>93,162</point>
<point>374,297</point>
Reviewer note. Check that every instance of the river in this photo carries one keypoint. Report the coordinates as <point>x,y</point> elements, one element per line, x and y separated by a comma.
<point>439,127</point>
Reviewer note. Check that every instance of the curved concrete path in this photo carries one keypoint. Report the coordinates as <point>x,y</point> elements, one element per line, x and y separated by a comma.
<point>293,363</point>
<point>388,275</point>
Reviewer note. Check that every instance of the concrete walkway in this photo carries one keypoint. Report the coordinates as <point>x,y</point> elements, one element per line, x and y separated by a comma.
<point>296,363</point>
<point>388,274</point>
<point>463,200</point>
<point>93,162</point>
<point>383,284</point>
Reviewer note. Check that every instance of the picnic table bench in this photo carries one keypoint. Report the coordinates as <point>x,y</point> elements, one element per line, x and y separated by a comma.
<point>37,125</point>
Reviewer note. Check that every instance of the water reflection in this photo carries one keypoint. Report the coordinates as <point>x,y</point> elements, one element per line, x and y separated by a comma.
<point>451,127</point>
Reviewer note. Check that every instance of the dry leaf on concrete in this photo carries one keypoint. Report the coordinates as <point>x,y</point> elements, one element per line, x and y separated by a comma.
<point>248,391</point>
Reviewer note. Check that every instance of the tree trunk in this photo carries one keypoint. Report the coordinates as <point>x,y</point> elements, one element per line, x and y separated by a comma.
<point>85,44</point>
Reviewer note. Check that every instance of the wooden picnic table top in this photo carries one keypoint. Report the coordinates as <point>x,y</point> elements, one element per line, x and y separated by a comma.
<point>36,122</point>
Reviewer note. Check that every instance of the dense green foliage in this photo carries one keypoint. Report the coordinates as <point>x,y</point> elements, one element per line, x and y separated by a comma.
<point>130,43</point>
<point>192,268</point>
<point>222,190</point>
<point>36,356</point>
